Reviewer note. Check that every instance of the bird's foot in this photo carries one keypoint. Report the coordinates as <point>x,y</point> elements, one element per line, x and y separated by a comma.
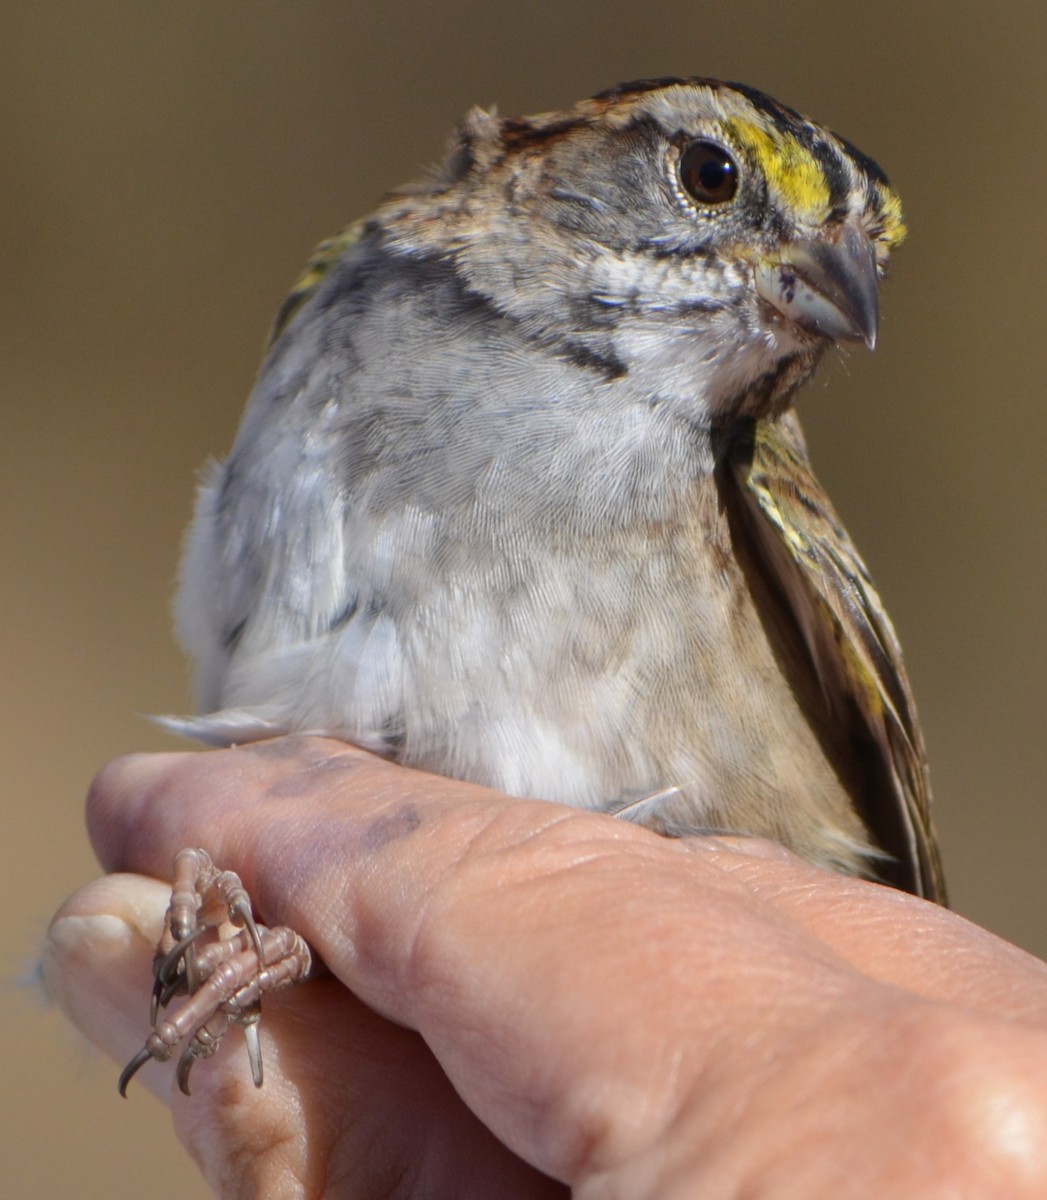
<point>223,973</point>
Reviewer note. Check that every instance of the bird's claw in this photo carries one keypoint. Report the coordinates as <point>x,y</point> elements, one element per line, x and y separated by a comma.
<point>223,973</point>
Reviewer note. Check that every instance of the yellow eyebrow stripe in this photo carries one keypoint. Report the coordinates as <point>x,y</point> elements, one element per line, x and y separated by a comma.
<point>789,167</point>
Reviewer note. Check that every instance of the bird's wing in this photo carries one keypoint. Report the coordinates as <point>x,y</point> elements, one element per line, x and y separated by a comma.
<point>323,258</point>
<point>265,582</point>
<point>799,543</point>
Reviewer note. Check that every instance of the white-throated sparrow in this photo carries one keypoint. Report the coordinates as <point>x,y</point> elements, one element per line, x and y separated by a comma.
<point>519,496</point>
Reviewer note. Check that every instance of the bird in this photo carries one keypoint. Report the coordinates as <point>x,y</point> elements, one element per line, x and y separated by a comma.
<point>520,496</point>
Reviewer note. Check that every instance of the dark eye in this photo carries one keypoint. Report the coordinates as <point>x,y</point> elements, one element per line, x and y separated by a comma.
<point>708,173</point>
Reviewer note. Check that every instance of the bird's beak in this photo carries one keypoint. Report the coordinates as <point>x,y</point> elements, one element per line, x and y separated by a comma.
<point>827,286</point>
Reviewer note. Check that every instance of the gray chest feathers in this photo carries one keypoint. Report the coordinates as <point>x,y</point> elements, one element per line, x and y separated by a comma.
<point>518,573</point>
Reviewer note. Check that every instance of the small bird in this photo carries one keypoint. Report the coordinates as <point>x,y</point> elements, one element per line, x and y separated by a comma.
<point>520,497</point>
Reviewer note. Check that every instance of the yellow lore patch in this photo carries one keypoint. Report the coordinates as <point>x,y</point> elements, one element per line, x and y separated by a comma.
<point>789,167</point>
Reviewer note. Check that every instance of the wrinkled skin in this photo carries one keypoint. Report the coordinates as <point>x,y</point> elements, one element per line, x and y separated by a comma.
<point>743,1025</point>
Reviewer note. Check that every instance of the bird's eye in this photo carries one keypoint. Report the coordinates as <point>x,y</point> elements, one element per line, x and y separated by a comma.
<point>708,173</point>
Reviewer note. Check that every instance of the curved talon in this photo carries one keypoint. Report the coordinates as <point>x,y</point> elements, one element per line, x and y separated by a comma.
<point>254,1047</point>
<point>163,994</point>
<point>185,1065</point>
<point>167,968</point>
<point>256,937</point>
<point>189,960</point>
<point>219,982</point>
<point>169,994</point>
<point>168,979</point>
<point>240,914</point>
<point>156,1000</point>
<point>204,1044</point>
<point>132,1069</point>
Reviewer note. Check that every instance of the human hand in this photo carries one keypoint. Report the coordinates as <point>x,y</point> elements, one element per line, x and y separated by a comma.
<point>544,999</point>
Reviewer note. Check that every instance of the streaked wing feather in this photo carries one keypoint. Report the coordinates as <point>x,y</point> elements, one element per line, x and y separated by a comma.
<point>848,635</point>
<point>320,263</point>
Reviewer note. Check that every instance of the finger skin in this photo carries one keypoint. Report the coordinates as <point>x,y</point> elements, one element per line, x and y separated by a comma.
<point>142,805</point>
<point>352,1105</point>
<point>630,1015</point>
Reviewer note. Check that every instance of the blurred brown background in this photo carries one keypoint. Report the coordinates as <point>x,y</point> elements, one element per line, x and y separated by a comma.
<point>166,169</point>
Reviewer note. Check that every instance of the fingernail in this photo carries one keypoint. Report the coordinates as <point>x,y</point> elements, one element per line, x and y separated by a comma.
<point>97,954</point>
